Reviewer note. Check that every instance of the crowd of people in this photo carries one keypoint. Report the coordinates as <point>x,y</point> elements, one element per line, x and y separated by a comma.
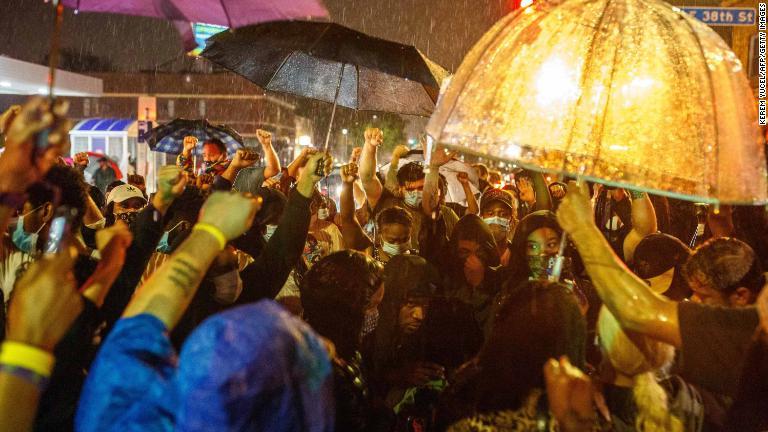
<point>238,296</point>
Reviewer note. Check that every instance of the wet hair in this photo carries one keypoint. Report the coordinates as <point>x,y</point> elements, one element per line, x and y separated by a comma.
<point>216,142</point>
<point>472,228</point>
<point>335,293</point>
<point>410,172</point>
<point>542,321</point>
<point>62,186</point>
<point>394,215</point>
<point>726,265</point>
<point>639,357</point>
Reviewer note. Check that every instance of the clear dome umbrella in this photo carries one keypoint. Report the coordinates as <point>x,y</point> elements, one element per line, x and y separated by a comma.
<point>630,93</point>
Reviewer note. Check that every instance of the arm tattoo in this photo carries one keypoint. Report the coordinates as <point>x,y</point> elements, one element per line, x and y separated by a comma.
<point>184,275</point>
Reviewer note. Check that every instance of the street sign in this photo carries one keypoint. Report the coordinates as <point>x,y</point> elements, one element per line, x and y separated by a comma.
<point>723,16</point>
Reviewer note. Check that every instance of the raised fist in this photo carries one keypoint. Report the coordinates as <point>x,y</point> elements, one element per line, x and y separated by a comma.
<point>374,136</point>
<point>264,137</point>
<point>189,143</point>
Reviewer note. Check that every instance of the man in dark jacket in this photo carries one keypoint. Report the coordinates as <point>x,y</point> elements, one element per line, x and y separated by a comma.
<point>103,176</point>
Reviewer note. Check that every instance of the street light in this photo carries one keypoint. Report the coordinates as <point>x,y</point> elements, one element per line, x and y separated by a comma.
<point>305,141</point>
<point>345,132</point>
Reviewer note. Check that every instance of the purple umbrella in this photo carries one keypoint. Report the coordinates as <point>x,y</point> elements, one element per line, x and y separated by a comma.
<point>230,13</point>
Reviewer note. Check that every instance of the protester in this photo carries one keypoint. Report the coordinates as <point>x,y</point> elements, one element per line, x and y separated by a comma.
<point>398,358</point>
<point>724,272</point>
<point>412,184</point>
<point>335,294</point>
<point>634,394</point>
<point>467,266</point>
<point>62,186</point>
<point>104,176</point>
<point>462,329</point>
<point>532,193</point>
<point>503,388</point>
<point>712,340</point>
<point>482,175</point>
<point>498,208</point>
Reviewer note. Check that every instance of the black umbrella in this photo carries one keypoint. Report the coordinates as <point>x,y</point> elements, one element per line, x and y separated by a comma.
<point>331,63</point>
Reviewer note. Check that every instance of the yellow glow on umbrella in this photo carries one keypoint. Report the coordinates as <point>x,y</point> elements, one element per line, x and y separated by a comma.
<point>633,93</point>
<point>555,84</point>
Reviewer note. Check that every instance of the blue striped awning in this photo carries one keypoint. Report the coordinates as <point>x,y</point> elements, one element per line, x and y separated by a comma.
<point>103,125</point>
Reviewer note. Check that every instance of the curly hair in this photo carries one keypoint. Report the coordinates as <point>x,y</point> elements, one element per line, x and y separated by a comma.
<point>725,264</point>
<point>394,215</point>
<point>410,172</point>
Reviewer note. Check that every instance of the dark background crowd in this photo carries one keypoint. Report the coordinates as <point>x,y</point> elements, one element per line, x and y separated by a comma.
<point>241,297</point>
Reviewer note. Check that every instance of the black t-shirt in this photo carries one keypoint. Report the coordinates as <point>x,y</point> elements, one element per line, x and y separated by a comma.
<point>715,341</point>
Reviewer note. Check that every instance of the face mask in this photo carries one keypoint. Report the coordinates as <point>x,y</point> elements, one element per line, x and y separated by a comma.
<point>540,264</point>
<point>228,287</point>
<point>496,220</point>
<point>323,213</point>
<point>128,217</point>
<point>393,249</point>
<point>413,198</point>
<point>269,232</point>
<point>26,242</point>
<point>162,245</point>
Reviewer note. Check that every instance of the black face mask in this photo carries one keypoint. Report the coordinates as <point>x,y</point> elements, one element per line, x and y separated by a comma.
<point>128,217</point>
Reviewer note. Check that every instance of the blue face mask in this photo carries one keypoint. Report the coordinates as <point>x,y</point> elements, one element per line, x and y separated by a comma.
<point>162,245</point>
<point>26,242</point>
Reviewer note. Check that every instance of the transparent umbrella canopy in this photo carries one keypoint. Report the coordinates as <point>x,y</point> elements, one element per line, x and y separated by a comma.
<point>631,93</point>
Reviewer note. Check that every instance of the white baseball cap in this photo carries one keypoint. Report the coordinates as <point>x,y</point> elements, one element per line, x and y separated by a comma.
<point>124,192</point>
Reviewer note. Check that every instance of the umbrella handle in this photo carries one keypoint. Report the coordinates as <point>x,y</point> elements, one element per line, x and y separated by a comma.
<point>53,59</point>
<point>333,110</point>
<point>557,268</point>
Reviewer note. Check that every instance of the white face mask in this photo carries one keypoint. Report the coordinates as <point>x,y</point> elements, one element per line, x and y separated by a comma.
<point>269,232</point>
<point>97,225</point>
<point>413,198</point>
<point>393,249</point>
<point>323,213</point>
<point>228,287</point>
<point>497,220</point>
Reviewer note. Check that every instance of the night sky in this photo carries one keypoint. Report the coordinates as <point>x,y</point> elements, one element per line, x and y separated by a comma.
<point>443,29</point>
